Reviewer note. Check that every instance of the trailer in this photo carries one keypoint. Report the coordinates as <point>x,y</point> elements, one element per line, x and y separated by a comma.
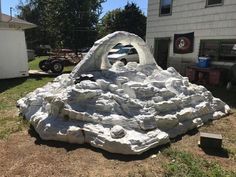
<point>60,58</point>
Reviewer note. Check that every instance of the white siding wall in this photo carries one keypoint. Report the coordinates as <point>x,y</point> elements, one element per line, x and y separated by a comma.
<point>13,55</point>
<point>217,22</point>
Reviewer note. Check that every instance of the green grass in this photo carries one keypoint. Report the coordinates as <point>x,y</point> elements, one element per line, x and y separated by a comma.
<point>184,164</point>
<point>68,69</point>
<point>34,64</point>
<point>11,90</point>
<point>232,153</point>
<point>9,125</point>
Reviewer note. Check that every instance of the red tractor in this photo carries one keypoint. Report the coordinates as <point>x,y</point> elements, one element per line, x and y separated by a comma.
<point>58,59</point>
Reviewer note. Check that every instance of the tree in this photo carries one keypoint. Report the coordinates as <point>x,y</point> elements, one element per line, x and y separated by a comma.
<point>129,19</point>
<point>64,23</point>
<point>29,13</point>
<point>110,22</point>
<point>79,23</point>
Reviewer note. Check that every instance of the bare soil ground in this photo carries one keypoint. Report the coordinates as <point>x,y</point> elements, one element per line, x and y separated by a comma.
<point>25,154</point>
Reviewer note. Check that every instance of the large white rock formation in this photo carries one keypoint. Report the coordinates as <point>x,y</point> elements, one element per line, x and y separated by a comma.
<point>121,109</point>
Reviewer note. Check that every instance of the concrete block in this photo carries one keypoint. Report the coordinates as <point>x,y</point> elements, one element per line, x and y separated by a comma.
<point>210,140</point>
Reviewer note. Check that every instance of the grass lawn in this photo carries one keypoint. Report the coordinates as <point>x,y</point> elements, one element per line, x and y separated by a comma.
<point>182,159</point>
<point>183,163</point>
<point>11,90</point>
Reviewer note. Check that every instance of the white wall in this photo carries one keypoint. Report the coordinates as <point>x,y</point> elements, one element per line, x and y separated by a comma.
<point>13,55</point>
<point>217,22</point>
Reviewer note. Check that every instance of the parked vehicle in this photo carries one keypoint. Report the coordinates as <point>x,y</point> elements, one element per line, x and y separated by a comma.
<point>125,55</point>
<point>59,59</point>
<point>115,49</point>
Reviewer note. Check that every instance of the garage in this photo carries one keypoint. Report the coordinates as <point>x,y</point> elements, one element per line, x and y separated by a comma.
<point>13,49</point>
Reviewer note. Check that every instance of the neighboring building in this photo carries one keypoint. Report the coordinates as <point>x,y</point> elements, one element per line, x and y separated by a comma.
<point>13,53</point>
<point>212,21</point>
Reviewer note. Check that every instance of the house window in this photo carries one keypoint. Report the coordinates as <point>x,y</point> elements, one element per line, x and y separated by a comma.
<point>219,50</point>
<point>210,3</point>
<point>165,7</point>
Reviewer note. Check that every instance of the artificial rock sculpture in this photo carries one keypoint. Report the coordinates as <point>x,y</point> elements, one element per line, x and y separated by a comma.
<point>121,109</point>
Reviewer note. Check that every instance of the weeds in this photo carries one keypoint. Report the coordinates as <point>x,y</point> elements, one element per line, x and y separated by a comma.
<point>11,125</point>
<point>184,164</point>
<point>232,152</point>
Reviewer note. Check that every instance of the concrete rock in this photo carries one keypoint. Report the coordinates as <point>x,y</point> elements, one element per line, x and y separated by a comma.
<point>123,109</point>
<point>117,132</point>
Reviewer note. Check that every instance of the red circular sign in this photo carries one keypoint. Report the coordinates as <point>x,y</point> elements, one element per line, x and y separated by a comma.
<point>182,43</point>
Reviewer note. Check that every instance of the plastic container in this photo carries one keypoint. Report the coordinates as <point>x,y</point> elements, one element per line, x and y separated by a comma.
<point>203,62</point>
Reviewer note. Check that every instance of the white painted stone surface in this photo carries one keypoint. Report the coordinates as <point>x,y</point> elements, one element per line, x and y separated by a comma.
<point>125,109</point>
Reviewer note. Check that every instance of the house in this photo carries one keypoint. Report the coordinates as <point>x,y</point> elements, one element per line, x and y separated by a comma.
<point>13,53</point>
<point>179,31</point>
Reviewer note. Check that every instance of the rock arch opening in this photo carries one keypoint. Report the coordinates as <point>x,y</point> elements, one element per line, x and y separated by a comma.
<point>96,58</point>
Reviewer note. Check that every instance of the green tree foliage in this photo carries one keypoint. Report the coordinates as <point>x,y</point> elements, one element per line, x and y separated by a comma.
<point>130,19</point>
<point>31,14</point>
<point>110,22</point>
<point>61,23</point>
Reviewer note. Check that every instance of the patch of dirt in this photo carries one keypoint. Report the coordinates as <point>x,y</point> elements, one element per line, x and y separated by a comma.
<point>12,112</point>
<point>25,154</point>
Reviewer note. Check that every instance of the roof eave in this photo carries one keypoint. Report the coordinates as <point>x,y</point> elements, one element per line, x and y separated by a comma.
<point>22,26</point>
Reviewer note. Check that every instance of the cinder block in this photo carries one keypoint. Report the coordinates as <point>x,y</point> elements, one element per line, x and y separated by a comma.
<point>209,140</point>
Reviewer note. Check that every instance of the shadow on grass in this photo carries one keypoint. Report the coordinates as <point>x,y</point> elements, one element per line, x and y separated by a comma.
<point>10,83</point>
<point>223,153</point>
<point>111,156</point>
<point>228,96</point>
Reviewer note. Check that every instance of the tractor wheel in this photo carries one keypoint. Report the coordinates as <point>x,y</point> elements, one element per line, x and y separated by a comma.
<point>45,65</point>
<point>57,66</point>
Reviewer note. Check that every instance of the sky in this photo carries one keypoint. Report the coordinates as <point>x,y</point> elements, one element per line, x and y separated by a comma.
<point>113,4</point>
<point>107,6</point>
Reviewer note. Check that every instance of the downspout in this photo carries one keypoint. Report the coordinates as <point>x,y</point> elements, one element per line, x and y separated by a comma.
<point>11,12</point>
<point>0,10</point>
